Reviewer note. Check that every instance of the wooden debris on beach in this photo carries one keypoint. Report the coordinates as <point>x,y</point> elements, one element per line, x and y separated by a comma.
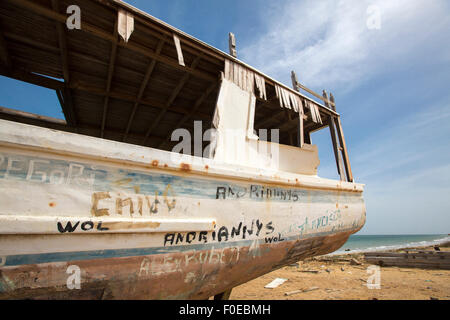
<point>309,271</point>
<point>334,259</point>
<point>290,293</point>
<point>420,259</point>
<point>355,262</point>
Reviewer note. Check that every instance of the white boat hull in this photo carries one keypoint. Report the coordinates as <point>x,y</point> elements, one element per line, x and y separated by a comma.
<point>138,226</point>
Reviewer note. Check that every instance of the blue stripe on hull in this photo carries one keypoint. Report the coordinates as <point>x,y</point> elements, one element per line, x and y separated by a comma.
<point>26,259</point>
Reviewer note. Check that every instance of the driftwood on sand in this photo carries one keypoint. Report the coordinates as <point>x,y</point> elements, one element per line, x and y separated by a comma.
<point>419,259</point>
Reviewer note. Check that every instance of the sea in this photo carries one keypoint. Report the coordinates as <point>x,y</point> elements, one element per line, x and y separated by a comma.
<point>371,243</point>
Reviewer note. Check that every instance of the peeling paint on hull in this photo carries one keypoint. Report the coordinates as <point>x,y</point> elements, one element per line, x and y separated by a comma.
<point>161,276</point>
<point>137,226</point>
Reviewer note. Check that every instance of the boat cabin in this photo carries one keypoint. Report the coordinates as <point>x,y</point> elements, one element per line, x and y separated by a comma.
<point>120,74</point>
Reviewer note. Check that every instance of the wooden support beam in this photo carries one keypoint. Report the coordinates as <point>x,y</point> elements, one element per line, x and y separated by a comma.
<point>307,137</point>
<point>33,118</point>
<point>171,99</point>
<point>50,14</point>
<point>129,98</point>
<point>291,139</point>
<point>297,86</point>
<point>62,45</point>
<point>337,156</point>
<point>60,96</point>
<point>224,295</point>
<point>32,78</point>
<point>282,122</point>
<point>298,124</point>
<point>112,63</point>
<point>310,126</point>
<point>348,168</point>
<point>31,42</point>
<point>294,80</point>
<point>232,44</point>
<point>68,107</point>
<point>345,157</point>
<point>333,106</point>
<point>50,48</point>
<point>197,104</point>
<point>144,84</point>
<point>4,55</point>
<point>336,151</point>
<point>300,131</point>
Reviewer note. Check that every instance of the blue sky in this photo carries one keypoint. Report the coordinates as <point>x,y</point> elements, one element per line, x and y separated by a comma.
<point>391,87</point>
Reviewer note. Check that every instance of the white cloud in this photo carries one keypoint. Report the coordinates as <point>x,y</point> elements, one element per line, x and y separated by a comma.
<point>329,45</point>
<point>415,139</point>
<point>406,169</point>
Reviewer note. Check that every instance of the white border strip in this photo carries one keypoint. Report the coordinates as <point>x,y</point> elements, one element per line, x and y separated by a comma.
<point>86,225</point>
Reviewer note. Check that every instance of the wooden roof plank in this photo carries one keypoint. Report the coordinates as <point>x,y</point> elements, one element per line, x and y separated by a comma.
<point>332,126</point>
<point>171,98</point>
<point>130,98</point>
<point>144,83</point>
<point>33,78</point>
<point>41,10</point>
<point>112,62</point>
<point>67,107</point>
<point>197,104</point>
<point>4,52</point>
<point>345,157</point>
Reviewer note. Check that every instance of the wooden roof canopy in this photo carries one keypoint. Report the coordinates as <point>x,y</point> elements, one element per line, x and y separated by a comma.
<point>134,91</point>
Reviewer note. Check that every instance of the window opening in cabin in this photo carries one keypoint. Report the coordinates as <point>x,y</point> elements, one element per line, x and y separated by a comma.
<point>30,104</point>
<point>268,116</point>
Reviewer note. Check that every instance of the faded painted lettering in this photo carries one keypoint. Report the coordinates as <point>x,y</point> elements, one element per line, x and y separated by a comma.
<point>223,233</point>
<point>257,192</point>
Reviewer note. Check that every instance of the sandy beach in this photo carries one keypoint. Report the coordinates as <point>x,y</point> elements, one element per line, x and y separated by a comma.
<point>335,278</point>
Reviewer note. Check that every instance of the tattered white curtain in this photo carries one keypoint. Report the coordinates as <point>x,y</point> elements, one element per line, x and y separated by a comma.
<point>125,25</point>
<point>292,101</point>
<point>247,80</point>
<point>244,78</point>
<point>288,99</point>
<point>315,115</point>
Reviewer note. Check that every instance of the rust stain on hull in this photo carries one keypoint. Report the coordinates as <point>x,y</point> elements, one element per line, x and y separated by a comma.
<point>185,167</point>
<point>155,163</point>
<point>194,274</point>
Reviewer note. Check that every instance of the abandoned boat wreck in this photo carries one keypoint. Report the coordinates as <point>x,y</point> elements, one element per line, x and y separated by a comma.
<point>106,204</point>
